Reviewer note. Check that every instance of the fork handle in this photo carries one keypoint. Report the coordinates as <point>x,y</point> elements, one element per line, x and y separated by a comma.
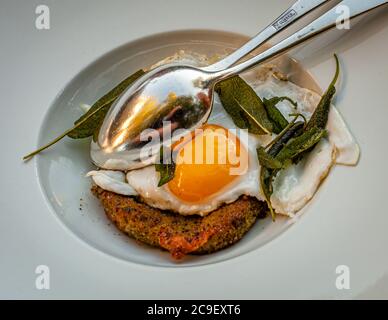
<point>287,18</point>
<point>317,27</point>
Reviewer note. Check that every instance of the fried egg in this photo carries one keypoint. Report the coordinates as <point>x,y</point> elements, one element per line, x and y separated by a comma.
<point>199,187</point>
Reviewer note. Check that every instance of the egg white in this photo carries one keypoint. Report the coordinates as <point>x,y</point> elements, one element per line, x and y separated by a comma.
<point>112,181</point>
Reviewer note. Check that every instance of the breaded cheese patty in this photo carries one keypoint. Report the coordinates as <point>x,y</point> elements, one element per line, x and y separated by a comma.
<point>178,234</point>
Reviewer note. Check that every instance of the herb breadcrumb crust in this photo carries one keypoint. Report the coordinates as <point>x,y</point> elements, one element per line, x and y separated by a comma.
<point>181,235</point>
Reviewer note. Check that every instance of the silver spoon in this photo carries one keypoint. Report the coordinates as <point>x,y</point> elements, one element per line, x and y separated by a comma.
<point>141,110</point>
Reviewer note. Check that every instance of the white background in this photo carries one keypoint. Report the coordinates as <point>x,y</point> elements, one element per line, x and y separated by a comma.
<point>35,65</point>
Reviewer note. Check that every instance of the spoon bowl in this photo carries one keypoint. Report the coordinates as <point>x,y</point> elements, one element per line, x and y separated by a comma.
<point>166,102</point>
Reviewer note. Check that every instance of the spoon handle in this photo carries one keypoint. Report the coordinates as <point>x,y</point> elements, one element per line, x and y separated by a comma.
<point>317,27</point>
<point>299,9</point>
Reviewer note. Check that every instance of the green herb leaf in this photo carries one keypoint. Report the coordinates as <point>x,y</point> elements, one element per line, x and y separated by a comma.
<point>99,109</point>
<point>166,170</point>
<point>266,179</point>
<point>90,122</point>
<point>300,144</point>
<point>279,122</point>
<point>321,113</point>
<point>292,130</point>
<point>249,113</point>
<point>251,117</point>
<point>268,161</point>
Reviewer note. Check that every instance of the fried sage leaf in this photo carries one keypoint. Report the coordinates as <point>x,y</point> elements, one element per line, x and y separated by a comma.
<point>97,112</point>
<point>166,168</point>
<point>298,145</point>
<point>266,179</point>
<point>249,113</point>
<point>268,161</point>
<point>91,121</point>
<point>251,117</point>
<point>321,113</point>
<point>279,122</point>
<point>292,130</point>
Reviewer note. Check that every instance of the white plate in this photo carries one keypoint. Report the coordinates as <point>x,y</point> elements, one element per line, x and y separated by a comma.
<point>62,169</point>
<point>345,225</point>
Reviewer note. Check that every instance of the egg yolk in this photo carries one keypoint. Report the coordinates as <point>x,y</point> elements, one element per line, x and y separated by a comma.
<point>211,159</point>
